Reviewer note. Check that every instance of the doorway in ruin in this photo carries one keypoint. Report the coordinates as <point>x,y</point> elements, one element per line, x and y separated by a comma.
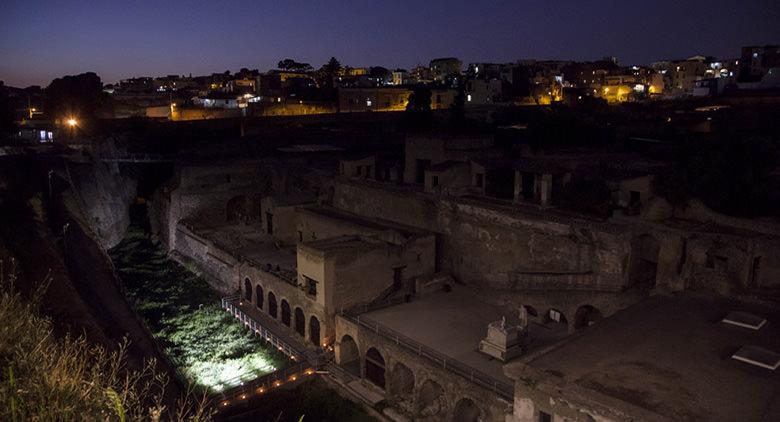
<point>528,186</point>
<point>300,322</point>
<point>430,399</point>
<point>272,305</point>
<point>269,223</point>
<point>375,368</point>
<point>420,166</point>
<point>286,312</point>
<point>236,209</point>
<point>466,411</point>
<point>500,183</point>
<point>645,269</point>
<point>586,316</point>
<point>259,297</point>
<point>401,383</point>
<point>248,290</point>
<point>314,330</point>
<point>349,356</point>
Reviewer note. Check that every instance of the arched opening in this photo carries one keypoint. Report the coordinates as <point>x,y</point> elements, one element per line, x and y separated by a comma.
<point>236,208</point>
<point>285,312</point>
<point>247,290</point>
<point>586,316</point>
<point>466,411</point>
<point>272,304</point>
<point>300,322</point>
<point>259,297</point>
<point>402,381</point>
<point>430,399</point>
<point>348,355</point>
<point>375,368</point>
<point>645,262</point>
<point>314,330</point>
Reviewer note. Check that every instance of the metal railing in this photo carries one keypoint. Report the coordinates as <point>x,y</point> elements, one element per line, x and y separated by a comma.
<point>308,361</point>
<point>500,387</point>
<point>228,303</point>
<point>265,383</point>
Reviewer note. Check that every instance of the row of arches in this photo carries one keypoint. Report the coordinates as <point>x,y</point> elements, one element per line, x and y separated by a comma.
<point>584,316</point>
<point>274,308</point>
<point>399,383</point>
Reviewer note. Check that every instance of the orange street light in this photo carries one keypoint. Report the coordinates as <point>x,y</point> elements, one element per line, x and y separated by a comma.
<point>72,122</point>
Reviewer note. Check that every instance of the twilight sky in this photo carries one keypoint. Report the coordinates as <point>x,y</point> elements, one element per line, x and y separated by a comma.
<point>41,40</point>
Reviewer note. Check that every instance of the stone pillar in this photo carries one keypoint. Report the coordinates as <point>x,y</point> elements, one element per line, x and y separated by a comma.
<point>546,189</point>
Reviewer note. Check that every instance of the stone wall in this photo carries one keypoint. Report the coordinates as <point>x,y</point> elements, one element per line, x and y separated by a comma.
<point>494,246</point>
<point>221,268</point>
<point>409,377</point>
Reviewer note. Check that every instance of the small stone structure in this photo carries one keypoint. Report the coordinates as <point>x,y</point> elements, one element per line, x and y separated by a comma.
<point>502,341</point>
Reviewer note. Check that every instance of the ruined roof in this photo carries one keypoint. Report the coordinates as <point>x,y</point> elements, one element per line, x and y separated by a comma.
<point>374,223</point>
<point>344,244</point>
<point>447,165</point>
<point>671,355</point>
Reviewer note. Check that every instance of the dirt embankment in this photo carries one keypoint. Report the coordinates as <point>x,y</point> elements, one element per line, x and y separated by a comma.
<point>47,232</point>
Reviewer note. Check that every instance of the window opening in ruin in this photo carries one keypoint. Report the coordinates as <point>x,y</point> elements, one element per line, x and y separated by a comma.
<point>544,417</point>
<point>272,305</point>
<point>311,286</point>
<point>285,312</point>
<point>314,330</point>
<point>398,277</point>
<point>247,289</point>
<point>300,322</point>
<point>375,368</point>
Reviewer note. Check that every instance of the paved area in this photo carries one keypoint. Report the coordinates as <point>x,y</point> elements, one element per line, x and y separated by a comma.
<point>454,323</point>
<point>671,355</point>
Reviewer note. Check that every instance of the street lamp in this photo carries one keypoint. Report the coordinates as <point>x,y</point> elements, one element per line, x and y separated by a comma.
<point>72,122</point>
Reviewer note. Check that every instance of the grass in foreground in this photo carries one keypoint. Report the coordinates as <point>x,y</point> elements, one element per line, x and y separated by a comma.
<point>49,378</point>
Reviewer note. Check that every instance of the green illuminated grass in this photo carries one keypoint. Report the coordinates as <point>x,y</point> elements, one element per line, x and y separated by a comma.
<point>208,346</point>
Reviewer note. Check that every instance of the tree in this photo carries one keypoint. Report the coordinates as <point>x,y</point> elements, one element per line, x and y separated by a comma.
<point>292,65</point>
<point>419,100</point>
<point>332,67</point>
<point>458,109</point>
<point>418,109</point>
<point>328,72</point>
<point>80,95</point>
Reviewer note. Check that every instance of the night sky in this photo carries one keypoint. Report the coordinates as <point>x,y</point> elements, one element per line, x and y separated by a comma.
<point>40,40</point>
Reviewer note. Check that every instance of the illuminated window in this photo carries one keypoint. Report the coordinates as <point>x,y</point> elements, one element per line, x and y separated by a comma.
<point>468,97</point>
<point>368,102</point>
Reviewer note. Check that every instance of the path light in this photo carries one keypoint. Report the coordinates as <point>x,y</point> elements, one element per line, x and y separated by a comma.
<point>225,403</point>
<point>243,396</point>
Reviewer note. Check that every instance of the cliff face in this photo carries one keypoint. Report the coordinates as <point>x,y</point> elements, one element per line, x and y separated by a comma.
<point>105,195</point>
